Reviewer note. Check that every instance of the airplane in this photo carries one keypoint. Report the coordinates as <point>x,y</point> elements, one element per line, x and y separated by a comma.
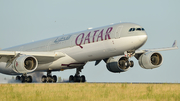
<point>115,44</point>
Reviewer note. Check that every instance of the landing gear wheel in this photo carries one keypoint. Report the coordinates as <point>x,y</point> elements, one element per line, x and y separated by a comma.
<point>54,78</point>
<point>71,78</point>
<point>44,79</point>
<point>18,78</point>
<point>83,78</point>
<point>49,79</point>
<point>76,78</point>
<point>23,79</point>
<point>131,63</point>
<point>29,79</point>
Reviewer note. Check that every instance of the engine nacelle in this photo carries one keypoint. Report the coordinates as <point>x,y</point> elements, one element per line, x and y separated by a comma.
<point>150,60</point>
<point>25,64</point>
<point>118,64</point>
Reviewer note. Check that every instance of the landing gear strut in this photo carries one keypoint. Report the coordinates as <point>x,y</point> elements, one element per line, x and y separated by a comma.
<point>130,54</point>
<point>24,78</point>
<point>49,78</point>
<point>77,77</point>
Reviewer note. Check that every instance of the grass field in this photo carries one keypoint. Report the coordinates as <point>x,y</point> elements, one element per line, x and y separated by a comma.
<point>89,92</point>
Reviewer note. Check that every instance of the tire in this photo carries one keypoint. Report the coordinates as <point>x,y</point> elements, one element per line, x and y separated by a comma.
<point>44,79</point>
<point>76,78</point>
<point>83,78</point>
<point>23,79</point>
<point>49,79</point>
<point>71,78</point>
<point>29,79</point>
<point>18,78</point>
<point>54,79</point>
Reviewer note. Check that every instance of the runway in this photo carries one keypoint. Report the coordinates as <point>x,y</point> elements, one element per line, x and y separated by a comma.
<point>18,82</point>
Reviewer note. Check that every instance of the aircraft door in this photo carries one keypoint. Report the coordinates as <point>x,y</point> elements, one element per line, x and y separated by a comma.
<point>72,39</point>
<point>118,32</point>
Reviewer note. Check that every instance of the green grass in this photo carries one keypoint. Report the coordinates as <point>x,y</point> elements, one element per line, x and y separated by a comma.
<point>90,92</point>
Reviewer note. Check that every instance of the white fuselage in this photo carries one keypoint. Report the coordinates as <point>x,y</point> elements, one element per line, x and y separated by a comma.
<point>81,47</point>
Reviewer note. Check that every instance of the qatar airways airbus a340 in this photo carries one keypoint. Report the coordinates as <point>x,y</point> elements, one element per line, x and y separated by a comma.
<point>115,44</point>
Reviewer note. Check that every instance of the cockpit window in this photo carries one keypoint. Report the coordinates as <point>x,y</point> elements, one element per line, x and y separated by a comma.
<point>130,30</point>
<point>137,29</point>
<point>133,29</point>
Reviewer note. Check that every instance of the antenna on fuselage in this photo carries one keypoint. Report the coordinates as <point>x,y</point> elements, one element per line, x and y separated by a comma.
<point>89,28</point>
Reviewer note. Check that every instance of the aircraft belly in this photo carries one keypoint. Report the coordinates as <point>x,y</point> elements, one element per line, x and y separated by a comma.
<point>60,64</point>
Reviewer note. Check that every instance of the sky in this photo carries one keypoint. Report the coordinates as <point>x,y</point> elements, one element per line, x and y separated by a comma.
<point>26,21</point>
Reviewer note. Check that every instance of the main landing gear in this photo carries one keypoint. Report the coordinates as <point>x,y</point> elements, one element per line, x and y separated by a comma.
<point>77,77</point>
<point>49,78</point>
<point>24,78</point>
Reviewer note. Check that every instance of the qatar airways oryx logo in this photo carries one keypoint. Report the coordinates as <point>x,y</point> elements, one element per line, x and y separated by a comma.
<point>63,38</point>
<point>96,35</point>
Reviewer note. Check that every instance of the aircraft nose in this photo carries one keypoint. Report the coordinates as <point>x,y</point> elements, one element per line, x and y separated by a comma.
<point>143,37</point>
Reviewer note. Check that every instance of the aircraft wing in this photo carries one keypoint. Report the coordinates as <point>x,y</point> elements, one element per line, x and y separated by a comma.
<point>139,52</point>
<point>42,57</point>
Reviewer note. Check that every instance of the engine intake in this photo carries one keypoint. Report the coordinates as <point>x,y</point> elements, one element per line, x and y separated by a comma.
<point>30,63</point>
<point>25,64</point>
<point>150,60</point>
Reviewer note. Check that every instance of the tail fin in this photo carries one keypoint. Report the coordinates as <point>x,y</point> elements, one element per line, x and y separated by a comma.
<point>174,44</point>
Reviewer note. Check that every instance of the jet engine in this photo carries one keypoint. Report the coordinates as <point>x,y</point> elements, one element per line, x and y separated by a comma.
<point>119,64</point>
<point>150,60</point>
<point>25,64</point>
